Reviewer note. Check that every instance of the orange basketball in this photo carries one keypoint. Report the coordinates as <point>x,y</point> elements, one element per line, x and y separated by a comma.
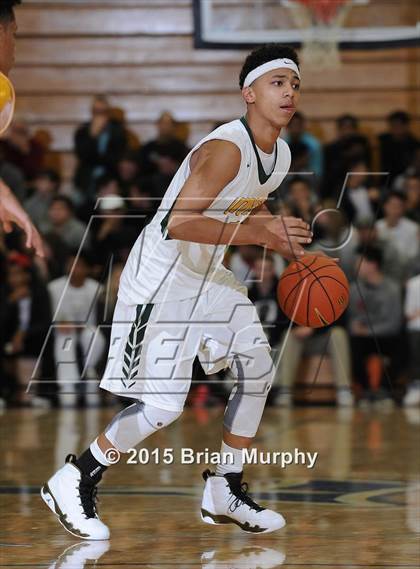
<point>313,291</point>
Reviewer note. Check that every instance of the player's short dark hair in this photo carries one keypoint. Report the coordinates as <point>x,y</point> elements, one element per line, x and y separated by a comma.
<point>395,194</point>
<point>399,116</point>
<point>264,54</point>
<point>7,13</point>
<point>372,254</point>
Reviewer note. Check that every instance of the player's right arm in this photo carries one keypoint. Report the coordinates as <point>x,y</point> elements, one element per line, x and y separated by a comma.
<point>213,166</point>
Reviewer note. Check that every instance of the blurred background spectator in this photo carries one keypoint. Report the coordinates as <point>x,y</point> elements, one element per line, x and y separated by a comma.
<point>164,154</point>
<point>44,189</point>
<point>78,344</point>
<point>375,324</point>
<point>297,133</point>
<point>397,146</point>
<point>397,229</point>
<point>25,320</point>
<point>99,144</point>
<point>22,150</point>
<point>349,146</point>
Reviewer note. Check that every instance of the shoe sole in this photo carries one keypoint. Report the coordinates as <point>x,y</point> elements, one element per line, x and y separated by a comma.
<point>214,519</point>
<point>51,502</point>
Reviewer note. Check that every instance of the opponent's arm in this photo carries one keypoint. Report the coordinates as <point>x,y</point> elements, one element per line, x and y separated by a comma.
<point>12,212</point>
<point>213,166</point>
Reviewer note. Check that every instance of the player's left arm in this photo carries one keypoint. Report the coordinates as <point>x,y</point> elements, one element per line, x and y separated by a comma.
<point>259,216</point>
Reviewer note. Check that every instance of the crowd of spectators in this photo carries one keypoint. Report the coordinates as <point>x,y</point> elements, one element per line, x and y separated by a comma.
<point>361,196</point>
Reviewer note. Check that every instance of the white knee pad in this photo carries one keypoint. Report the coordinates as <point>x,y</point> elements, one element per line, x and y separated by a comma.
<point>254,372</point>
<point>135,423</point>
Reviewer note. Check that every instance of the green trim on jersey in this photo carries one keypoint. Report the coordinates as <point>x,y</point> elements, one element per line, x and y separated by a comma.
<point>132,352</point>
<point>262,176</point>
<point>165,221</point>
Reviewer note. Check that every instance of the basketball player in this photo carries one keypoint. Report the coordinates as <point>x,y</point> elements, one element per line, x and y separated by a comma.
<point>10,209</point>
<point>176,300</point>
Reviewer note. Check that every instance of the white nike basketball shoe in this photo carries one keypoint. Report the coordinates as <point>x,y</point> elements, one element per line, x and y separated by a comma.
<point>71,495</point>
<point>226,501</point>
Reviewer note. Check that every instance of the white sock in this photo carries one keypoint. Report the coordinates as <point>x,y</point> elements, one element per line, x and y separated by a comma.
<point>226,467</point>
<point>98,454</point>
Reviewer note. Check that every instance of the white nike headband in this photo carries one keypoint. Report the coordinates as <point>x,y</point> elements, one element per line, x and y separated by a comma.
<point>269,66</point>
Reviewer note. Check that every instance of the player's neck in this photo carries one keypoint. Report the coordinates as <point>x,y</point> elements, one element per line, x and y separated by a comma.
<point>265,135</point>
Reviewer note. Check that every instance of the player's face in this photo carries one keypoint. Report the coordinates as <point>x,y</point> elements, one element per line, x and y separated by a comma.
<point>276,96</point>
<point>7,46</point>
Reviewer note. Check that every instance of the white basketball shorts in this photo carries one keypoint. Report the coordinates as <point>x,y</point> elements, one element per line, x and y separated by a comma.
<point>153,346</point>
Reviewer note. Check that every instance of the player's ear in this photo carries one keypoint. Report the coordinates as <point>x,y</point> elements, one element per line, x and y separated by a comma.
<point>248,94</point>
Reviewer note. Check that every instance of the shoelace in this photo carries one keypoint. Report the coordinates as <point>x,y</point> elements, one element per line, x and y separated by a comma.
<point>240,494</point>
<point>88,496</point>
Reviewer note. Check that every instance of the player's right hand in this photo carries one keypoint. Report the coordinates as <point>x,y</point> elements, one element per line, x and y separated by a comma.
<point>286,235</point>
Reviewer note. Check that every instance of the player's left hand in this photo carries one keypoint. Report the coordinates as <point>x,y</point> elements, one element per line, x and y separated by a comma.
<point>12,212</point>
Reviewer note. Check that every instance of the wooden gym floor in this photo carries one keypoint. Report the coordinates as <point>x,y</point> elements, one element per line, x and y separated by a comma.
<point>358,507</point>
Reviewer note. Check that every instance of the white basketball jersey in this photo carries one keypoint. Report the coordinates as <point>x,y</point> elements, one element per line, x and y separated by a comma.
<point>161,269</point>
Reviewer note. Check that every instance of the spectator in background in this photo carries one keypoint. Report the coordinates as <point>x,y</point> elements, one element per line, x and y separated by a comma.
<point>300,159</point>
<point>113,236</point>
<point>79,345</point>
<point>99,144</point>
<point>107,186</point>
<point>142,204</point>
<point>375,319</point>
<point>263,293</point>
<point>412,170</point>
<point>301,200</point>
<point>45,187</point>
<point>411,189</point>
<point>12,177</point>
<point>397,146</point>
<point>350,145</point>
<point>26,321</point>
<point>393,266</point>
<point>128,171</point>
<point>138,188</point>
<point>164,154</point>
<point>241,263</point>
<point>63,224</point>
<point>412,314</point>
<point>296,132</point>
<point>397,228</point>
<point>358,200</point>
<point>22,150</point>
<point>302,340</point>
